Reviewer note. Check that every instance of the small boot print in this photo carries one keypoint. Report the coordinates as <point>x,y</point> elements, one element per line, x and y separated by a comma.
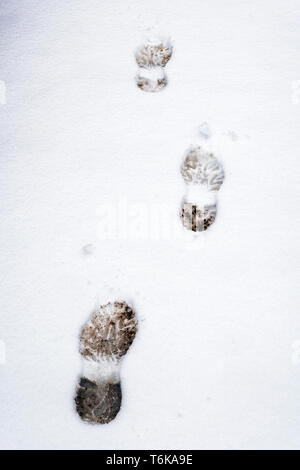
<point>152,57</point>
<point>104,340</point>
<point>204,176</point>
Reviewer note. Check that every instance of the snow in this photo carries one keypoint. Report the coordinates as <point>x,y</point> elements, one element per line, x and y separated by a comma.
<point>101,371</point>
<point>214,363</point>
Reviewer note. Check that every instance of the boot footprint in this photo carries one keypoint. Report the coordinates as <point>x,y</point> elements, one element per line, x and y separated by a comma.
<point>152,57</point>
<point>204,176</point>
<point>104,340</point>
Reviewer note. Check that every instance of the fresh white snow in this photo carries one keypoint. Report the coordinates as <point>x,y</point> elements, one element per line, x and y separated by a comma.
<point>216,362</point>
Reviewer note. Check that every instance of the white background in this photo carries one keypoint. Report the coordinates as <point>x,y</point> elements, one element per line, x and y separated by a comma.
<point>215,363</point>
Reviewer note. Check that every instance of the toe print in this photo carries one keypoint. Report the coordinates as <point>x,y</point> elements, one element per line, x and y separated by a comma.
<point>203,172</point>
<point>154,55</point>
<point>152,58</point>
<point>104,339</point>
<point>202,168</point>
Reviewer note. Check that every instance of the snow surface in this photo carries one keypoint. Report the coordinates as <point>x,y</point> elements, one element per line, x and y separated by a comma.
<point>216,361</point>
